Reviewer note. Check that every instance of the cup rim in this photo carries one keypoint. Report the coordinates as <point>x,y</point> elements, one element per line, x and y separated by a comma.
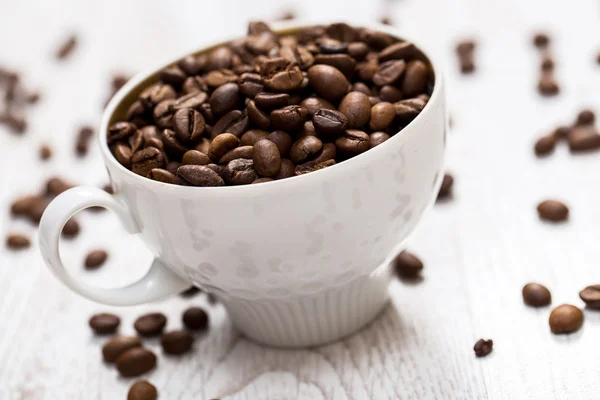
<point>339,168</point>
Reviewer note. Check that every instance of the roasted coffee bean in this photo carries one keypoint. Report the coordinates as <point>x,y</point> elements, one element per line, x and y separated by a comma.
<point>591,296</point>
<point>120,131</point>
<point>287,169</point>
<point>225,98</point>
<point>585,117</point>
<point>219,58</point>
<point>55,186</point>
<point>361,87</point>
<point>16,123</point>
<point>119,345</point>
<point>177,342</point>
<point>390,94</point>
<point>329,82</point>
<point>446,187</point>
<point>252,136</point>
<point>536,295</point>
<point>234,122</point>
<point>221,144</point>
<point>203,145</point>
<point>135,361</point>
<point>190,292</point>
<point>136,141</point>
<point>37,210</point>
<point>375,39</point>
<point>562,132</point>
<point>250,84</point>
<point>154,142</point>
<point>313,166</point>
<point>357,108</point>
<point>199,175</point>
<point>376,138</point>
<point>166,175</point>
<point>398,51</point>
<point>282,139</point>
<point>95,259</point>
<point>67,47</point>
<point>123,154</point>
<point>172,144</point>
<point>307,130</point>
<point>195,84</point>
<point>171,167</point>
<point>547,85</point>
<point>483,347</point>
<point>389,72</point>
<point>545,145</point>
<point>142,390</point>
<point>541,40</point>
<point>298,55</point>
<point>104,323</point>
<point>415,78</point>
<point>343,62</point>
<point>328,152</point>
<point>262,180</point>
<point>191,100</point>
<point>195,319</point>
<point>305,148</point>
<point>331,123</point>
<point>552,210</point>
<point>583,138</point>
<point>358,50</point>
<point>151,324</point>
<point>290,118</point>
<point>188,124</point>
<point>257,116</point>
<point>172,76</point>
<point>266,158</point>
<point>342,32</point>
<point>83,138</point>
<point>240,172</point>
<point>71,229</point>
<point>284,81</point>
<point>219,169</point>
<point>163,114</point>
<point>332,46</point>
<point>270,101</point>
<point>352,143</point>
<point>239,152</point>
<point>195,157</point>
<point>382,115</point>
<point>23,205</point>
<point>407,110</point>
<point>547,64</point>
<point>190,65</point>
<point>314,104</point>
<point>16,241</point>
<point>155,94</point>
<point>407,265</point>
<point>565,319</point>
<point>465,52</point>
<point>45,152</point>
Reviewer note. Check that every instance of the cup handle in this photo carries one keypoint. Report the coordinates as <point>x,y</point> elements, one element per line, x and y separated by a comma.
<point>158,283</point>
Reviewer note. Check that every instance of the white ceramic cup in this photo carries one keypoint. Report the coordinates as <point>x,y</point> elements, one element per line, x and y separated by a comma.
<point>296,262</point>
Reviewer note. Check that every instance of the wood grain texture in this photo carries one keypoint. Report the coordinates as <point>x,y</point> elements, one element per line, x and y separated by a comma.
<point>479,248</point>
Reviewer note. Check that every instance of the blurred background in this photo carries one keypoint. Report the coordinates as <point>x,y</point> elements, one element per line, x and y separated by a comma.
<point>479,248</point>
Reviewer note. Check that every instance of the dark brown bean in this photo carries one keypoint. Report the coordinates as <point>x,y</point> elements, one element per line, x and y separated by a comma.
<point>357,108</point>
<point>67,47</point>
<point>483,347</point>
<point>195,319</point>
<point>536,295</point>
<point>329,82</point>
<point>270,101</point>
<point>177,342</point>
<point>250,84</point>
<point>358,50</point>
<point>104,323</point>
<point>290,118</point>
<point>583,138</point>
<point>71,229</point>
<point>135,361</point>
<point>266,157</point>
<point>376,138</point>
<point>284,81</point>
<point>199,175</point>
<point>591,296</point>
<point>343,62</point>
<point>313,166</point>
<point>123,154</point>
<point>545,145</point>
<point>257,116</point>
<point>166,175</point>
<point>155,94</point>
<point>195,157</point>
<point>382,115</point>
<point>314,104</point>
<point>398,51</point>
<point>328,152</point>
<point>221,144</point>
<point>23,205</point>
<point>219,58</point>
<point>239,152</point>
<point>234,122</point>
<point>215,79</point>
<point>585,117</point>
<point>225,98</point>
<point>287,169</point>
<point>147,159</point>
<point>389,72</point>
<point>553,210</point>
<point>119,345</point>
<point>95,259</point>
<point>16,241</point>
<point>446,187</point>
<point>390,94</point>
<point>407,265</point>
<point>541,40</point>
<point>191,100</point>
<point>188,125</point>
<point>151,324</point>
<point>547,85</point>
<point>240,172</point>
<point>565,319</point>
<point>407,110</point>
<point>415,79</point>
<point>305,148</point>
<point>252,136</point>
<point>120,131</point>
<point>331,123</point>
<point>262,180</point>
<point>172,76</point>
<point>352,143</point>
<point>142,390</point>
<point>45,152</point>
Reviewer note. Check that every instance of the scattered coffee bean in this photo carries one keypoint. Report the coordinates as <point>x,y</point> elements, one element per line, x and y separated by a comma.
<point>553,210</point>
<point>142,390</point>
<point>177,342</point>
<point>135,361</point>
<point>585,117</point>
<point>104,323</point>
<point>82,143</point>
<point>95,259</point>
<point>151,324</point>
<point>446,187</point>
<point>565,319</point>
<point>536,295</point>
<point>17,241</point>
<point>67,47</point>
<point>541,40</point>
<point>483,347</point>
<point>191,291</point>
<point>119,345</point>
<point>465,52</point>
<point>591,296</point>
<point>71,229</point>
<point>45,152</point>
<point>195,318</point>
<point>407,265</point>
<point>547,85</point>
<point>547,64</point>
<point>545,145</point>
<point>583,138</point>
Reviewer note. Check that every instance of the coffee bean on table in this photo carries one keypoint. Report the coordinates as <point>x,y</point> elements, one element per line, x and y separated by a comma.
<point>585,117</point>
<point>95,259</point>
<point>536,295</point>
<point>104,323</point>
<point>545,145</point>
<point>547,85</point>
<point>541,40</point>
<point>407,265</point>
<point>22,205</point>
<point>483,347</point>
<point>562,132</point>
<point>547,64</point>
<point>266,158</point>
<point>71,229</point>
<point>142,390</point>
<point>67,47</point>
<point>56,185</point>
<point>45,152</point>
<point>465,52</point>
<point>591,296</point>
<point>552,210</point>
<point>177,342</point>
<point>83,139</point>
<point>565,318</point>
<point>119,345</point>
<point>191,291</point>
<point>17,241</point>
<point>151,324</point>
<point>195,318</point>
<point>135,361</point>
<point>446,187</point>
<point>583,138</point>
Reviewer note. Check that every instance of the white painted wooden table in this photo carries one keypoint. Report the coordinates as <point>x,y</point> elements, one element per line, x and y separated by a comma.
<point>479,249</point>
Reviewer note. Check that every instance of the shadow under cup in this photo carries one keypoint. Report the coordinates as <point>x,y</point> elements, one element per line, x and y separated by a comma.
<point>304,260</point>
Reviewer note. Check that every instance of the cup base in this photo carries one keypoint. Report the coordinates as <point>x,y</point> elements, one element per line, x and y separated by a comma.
<point>311,320</point>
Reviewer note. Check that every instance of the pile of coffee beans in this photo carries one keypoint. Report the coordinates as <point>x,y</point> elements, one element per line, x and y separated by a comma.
<point>547,85</point>
<point>268,106</point>
<point>465,51</point>
<point>582,136</point>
